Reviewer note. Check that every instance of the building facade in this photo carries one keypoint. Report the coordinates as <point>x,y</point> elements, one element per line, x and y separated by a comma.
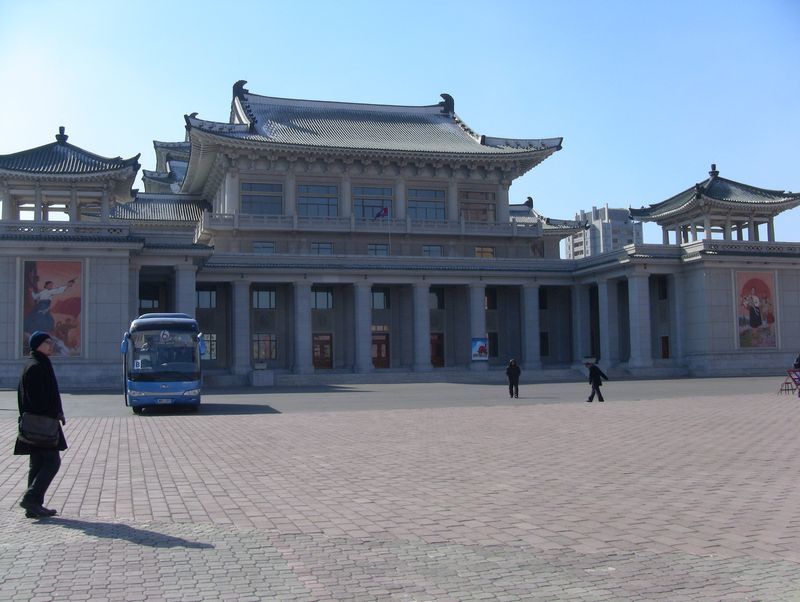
<point>321,240</point>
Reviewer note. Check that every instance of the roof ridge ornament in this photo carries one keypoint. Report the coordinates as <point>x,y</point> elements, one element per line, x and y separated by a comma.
<point>714,172</point>
<point>239,90</point>
<point>448,104</point>
<point>61,137</point>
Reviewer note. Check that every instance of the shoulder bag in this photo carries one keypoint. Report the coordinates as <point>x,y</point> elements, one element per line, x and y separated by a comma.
<point>38,430</point>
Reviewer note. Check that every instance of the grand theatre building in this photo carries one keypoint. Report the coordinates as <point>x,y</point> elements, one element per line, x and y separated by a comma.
<point>320,241</point>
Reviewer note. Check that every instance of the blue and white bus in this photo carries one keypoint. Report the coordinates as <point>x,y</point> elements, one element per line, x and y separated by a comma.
<point>162,361</point>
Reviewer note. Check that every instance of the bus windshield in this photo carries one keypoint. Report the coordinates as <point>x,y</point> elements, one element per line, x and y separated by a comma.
<point>163,355</point>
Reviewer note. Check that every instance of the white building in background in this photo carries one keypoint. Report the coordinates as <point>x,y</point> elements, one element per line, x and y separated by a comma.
<point>606,230</point>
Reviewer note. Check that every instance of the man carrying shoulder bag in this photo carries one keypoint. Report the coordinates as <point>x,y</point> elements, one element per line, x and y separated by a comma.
<point>38,394</point>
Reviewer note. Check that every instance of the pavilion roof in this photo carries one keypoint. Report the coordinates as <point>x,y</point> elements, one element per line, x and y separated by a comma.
<point>717,194</point>
<point>342,125</point>
<point>62,158</point>
<point>161,207</point>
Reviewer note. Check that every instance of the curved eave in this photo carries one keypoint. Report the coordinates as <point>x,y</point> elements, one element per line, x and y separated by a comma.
<point>128,172</point>
<point>728,206</point>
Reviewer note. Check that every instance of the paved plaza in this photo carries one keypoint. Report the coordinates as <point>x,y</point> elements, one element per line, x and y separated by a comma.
<point>671,490</point>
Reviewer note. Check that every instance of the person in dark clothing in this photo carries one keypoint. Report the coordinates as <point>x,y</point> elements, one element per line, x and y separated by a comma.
<point>596,376</point>
<point>37,393</point>
<point>512,372</point>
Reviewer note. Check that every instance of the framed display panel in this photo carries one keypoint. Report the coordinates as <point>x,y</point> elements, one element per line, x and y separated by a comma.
<point>52,302</point>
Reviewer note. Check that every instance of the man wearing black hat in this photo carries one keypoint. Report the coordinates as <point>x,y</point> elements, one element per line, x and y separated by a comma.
<point>37,393</point>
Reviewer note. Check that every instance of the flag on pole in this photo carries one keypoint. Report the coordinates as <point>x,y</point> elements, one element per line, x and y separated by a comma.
<point>383,212</point>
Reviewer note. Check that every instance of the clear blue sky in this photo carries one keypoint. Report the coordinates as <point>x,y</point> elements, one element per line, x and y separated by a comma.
<point>646,94</point>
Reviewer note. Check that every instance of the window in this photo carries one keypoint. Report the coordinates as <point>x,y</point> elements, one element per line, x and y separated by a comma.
<point>149,296</point>
<point>544,344</point>
<point>542,298</point>
<point>263,248</point>
<point>426,204</point>
<point>211,346</point>
<point>317,200</point>
<point>662,287</point>
<point>206,299</point>
<point>436,298</point>
<point>491,298</point>
<point>264,299</point>
<point>265,346</point>
<point>380,298</point>
<point>261,198</point>
<point>477,206</point>
<point>484,252</point>
<point>378,249</point>
<point>492,336</point>
<point>369,202</point>
<point>432,250</point>
<point>321,298</point>
<point>322,248</point>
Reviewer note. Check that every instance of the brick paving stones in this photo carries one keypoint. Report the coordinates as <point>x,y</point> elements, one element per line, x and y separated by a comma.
<point>692,498</point>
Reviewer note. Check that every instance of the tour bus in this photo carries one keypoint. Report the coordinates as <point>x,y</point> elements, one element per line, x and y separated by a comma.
<point>161,361</point>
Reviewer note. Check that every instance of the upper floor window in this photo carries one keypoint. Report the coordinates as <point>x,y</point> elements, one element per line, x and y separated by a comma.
<point>490,298</point>
<point>432,250</point>
<point>261,198</point>
<point>484,252</point>
<point>264,299</point>
<point>264,247</point>
<point>206,299</point>
<point>426,204</point>
<point>379,249</point>
<point>322,248</point>
<point>380,298</point>
<point>475,206</point>
<point>436,298</point>
<point>371,202</point>
<point>321,298</point>
<point>317,200</point>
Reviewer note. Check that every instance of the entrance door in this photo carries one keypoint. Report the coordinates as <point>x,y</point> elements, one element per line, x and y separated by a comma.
<point>380,349</point>
<point>323,351</point>
<point>437,349</point>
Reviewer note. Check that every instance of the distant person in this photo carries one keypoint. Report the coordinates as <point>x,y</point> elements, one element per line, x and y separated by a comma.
<point>512,372</point>
<point>596,376</point>
<point>37,393</point>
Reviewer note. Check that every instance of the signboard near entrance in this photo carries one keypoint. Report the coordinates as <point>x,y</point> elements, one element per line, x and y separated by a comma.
<point>480,350</point>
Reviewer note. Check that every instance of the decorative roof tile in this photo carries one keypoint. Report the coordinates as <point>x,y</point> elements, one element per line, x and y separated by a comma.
<point>340,125</point>
<point>161,207</point>
<point>62,158</point>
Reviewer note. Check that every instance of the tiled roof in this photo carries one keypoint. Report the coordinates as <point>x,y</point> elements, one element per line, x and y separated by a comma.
<point>717,189</point>
<point>433,128</point>
<point>161,207</point>
<point>63,159</point>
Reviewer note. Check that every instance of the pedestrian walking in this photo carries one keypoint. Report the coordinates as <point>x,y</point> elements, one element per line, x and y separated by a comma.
<point>596,377</point>
<point>37,393</point>
<point>512,372</point>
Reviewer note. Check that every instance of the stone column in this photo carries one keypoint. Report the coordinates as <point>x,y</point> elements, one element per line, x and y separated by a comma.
<point>639,312</point>
<point>345,197</point>
<point>580,323</point>
<point>604,322</point>
<point>771,229</point>
<point>531,352</point>
<point>502,215</point>
<point>694,232</point>
<point>676,312</point>
<point>665,235</point>
<point>422,328</point>
<point>399,204</point>
<point>37,205</point>
<point>185,295</point>
<point>303,360</point>
<point>727,231</point>
<point>477,319</point>
<point>231,204</point>
<point>752,233</point>
<point>290,194</point>
<point>133,291</point>
<point>5,199</point>
<point>707,228</point>
<point>105,206</point>
<point>452,201</point>
<point>362,326</point>
<point>241,327</point>
<point>73,205</point>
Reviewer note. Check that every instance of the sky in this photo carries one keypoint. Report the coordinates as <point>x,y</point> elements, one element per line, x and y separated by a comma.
<point>646,94</point>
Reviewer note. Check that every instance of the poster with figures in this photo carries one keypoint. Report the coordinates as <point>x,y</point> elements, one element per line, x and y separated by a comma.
<point>756,310</point>
<point>52,303</point>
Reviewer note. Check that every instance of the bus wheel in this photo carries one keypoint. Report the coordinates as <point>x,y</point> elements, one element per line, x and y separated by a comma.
<point>137,410</point>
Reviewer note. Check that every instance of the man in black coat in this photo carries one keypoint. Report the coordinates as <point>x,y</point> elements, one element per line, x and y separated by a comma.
<point>512,372</point>
<point>37,393</point>
<point>596,376</point>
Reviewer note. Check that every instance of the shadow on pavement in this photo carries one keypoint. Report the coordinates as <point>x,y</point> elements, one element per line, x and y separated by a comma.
<point>120,531</point>
<point>211,409</point>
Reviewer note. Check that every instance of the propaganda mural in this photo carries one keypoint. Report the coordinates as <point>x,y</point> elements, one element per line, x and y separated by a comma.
<point>52,303</point>
<point>756,311</point>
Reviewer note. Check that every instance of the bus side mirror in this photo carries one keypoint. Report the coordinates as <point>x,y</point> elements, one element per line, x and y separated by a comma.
<point>123,348</point>
<point>202,342</point>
